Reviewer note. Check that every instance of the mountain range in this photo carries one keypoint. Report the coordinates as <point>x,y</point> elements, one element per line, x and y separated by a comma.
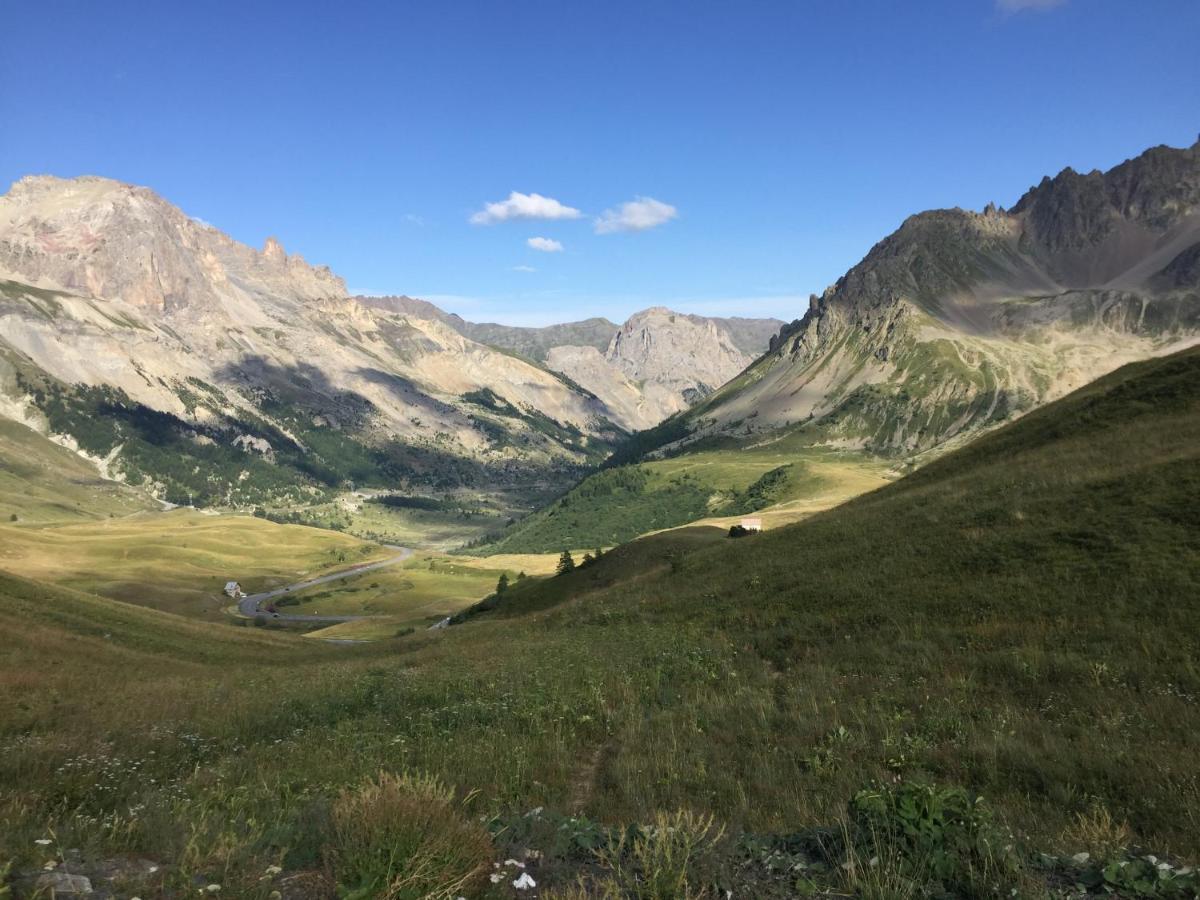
<point>212,372</point>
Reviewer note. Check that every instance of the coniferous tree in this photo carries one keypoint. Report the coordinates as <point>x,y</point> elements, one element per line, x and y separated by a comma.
<point>502,584</point>
<point>565,563</point>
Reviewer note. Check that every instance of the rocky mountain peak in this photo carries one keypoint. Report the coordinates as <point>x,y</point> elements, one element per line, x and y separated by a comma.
<point>273,251</point>
<point>106,239</point>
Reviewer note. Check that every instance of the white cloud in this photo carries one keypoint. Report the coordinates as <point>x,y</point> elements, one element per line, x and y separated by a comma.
<point>1015,6</point>
<point>635,215</point>
<point>524,206</point>
<point>414,219</point>
<point>524,269</point>
<point>546,245</point>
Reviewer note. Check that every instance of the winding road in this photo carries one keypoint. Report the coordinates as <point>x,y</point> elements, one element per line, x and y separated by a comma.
<point>251,604</point>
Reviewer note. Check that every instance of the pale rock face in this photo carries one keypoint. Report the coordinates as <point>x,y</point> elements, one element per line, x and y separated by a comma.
<point>659,363</point>
<point>689,353</point>
<point>113,241</point>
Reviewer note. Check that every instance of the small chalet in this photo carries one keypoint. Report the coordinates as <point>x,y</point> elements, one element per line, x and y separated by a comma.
<point>234,590</point>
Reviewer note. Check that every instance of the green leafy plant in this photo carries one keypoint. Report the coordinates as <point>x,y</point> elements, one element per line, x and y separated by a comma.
<point>940,838</point>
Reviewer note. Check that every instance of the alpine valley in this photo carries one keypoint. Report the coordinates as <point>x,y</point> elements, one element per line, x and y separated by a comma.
<point>307,595</point>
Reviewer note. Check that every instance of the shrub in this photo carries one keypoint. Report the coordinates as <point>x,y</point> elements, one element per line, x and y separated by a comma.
<point>403,837</point>
<point>938,840</point>
<point>672,859</point>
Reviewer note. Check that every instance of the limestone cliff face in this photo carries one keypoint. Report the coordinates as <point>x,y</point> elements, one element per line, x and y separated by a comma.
<point>960,320</point>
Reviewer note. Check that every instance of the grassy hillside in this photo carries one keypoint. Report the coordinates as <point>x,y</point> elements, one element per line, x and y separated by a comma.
<point>713,486</point>
<point>177,561</point>
<point>1017,620</point>
<point>42,482</point>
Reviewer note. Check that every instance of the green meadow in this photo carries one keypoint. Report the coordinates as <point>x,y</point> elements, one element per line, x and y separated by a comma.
<point>177,561</point>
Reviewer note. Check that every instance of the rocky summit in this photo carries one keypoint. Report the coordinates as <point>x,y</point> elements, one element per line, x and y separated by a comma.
<point>961,320</point>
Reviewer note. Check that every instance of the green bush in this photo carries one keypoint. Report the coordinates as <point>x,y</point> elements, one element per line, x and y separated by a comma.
<point>939,839</point>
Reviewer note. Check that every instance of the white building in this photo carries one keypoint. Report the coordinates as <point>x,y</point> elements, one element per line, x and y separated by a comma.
<point>752,524</point>
<point>234,590</point>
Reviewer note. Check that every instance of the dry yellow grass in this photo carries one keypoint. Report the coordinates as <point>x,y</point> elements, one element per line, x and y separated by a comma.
<point>529,563</point>
<point>177,561</point>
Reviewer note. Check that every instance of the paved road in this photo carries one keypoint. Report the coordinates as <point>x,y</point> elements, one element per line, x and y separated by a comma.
<point>251,605</point>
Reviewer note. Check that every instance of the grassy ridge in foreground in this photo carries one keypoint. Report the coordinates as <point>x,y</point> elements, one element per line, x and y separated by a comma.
<point>1018,618</point>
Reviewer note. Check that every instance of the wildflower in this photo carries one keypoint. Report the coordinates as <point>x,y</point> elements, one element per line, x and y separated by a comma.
<point>524,882</point>
<point>213,889</point>
<point>513,862</point>
<point>274,870</point>
<point>1080,858</point>
<point>496,877</point>
<point>43,842</point>
<point>50,866</point>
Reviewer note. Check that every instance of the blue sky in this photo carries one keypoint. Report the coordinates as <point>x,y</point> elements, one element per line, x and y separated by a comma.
<point>780,139</point>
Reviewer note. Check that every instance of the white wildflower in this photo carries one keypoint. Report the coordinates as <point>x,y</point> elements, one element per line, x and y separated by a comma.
<point>496,877</point>
<point>1080,858</point>
<point>43,842</point>
<point>213,889</point>
<point>524,882</point>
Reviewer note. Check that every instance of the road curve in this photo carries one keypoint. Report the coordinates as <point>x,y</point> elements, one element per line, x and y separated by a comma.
<point>251,604</point>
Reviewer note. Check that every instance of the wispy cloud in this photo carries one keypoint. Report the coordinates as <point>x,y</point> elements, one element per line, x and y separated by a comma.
<point>414,219</point>
<point>635,215</point>
<point>524,269</point>
<point>524,206</point>
<point>1008,7</point>
<point>545,245</point>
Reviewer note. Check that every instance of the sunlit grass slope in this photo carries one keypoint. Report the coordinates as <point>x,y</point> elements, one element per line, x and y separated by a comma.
<point>780,482</point>
<point>42,482</point>
<point>177,561</point>
<point>1019,619</point>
